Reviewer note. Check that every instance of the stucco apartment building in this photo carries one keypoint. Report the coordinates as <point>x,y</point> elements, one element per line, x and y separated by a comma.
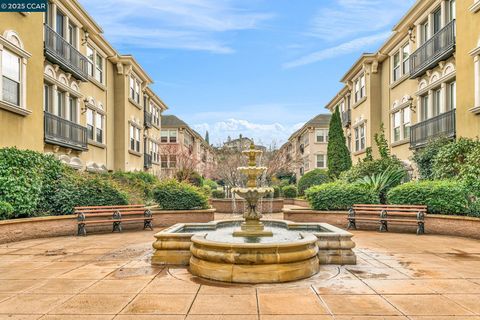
<point>65,90</point>
<point>306,148</point>
<point>182,147</point>
<point>423,82</point>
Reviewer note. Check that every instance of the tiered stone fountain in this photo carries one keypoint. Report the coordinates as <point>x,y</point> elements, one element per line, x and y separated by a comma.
<point>253,250</point>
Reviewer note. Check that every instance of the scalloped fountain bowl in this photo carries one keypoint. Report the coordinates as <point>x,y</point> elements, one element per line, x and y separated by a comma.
<point>294,251</point>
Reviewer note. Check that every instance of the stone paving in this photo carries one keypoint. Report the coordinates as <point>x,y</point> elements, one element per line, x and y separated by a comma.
<point>108,276</point>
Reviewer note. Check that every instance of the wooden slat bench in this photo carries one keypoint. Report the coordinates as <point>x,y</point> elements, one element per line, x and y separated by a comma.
<point>97,215</point>
<point>388,214</point>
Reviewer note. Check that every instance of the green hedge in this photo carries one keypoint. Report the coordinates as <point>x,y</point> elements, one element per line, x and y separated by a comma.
<point>6,210</point>
<point>218,194</point>
<point>371,167</point>
<point>174,195</point>
<point>289,192</point>
<point>137,185</point>
<point>312,178</point>
<point>339,196</point>
<point>443,196</point>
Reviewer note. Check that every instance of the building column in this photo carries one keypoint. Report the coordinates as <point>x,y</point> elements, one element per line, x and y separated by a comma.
<point>53,15</point>
<point>67,106</point>
<point>444,11</point>
<point>23,88</point>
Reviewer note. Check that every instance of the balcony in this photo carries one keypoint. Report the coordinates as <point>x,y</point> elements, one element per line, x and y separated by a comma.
<point>147,160</point>
<point>440,47</point>
<point>346,118</point>
<point>64,133</point>
<point>442,125</point>
<point>59,51</point>
<point>147,118</point>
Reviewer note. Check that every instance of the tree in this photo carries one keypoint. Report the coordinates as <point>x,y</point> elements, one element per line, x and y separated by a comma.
<point>338,156</point>
<point>207,137</point>
<point>382,143</point>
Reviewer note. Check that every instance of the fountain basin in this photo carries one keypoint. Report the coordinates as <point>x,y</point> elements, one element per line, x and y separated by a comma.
<point>211,247</point>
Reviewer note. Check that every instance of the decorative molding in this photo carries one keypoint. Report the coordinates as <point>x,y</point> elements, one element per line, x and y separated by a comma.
<point>475,7</point>
<point>13,108</point>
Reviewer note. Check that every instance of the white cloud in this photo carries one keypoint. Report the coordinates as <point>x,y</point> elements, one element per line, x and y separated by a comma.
<point>178,24</point>
<point>353,17</point>
<point>341,49</point>
<point>266,133</point>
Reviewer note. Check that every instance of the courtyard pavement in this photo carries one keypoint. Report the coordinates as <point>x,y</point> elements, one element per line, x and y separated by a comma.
<point>108,276</point>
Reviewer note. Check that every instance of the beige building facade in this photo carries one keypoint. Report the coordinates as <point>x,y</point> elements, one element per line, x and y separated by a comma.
<point>66,91</point>
<point>422,82</point>
<point>182,148</point>
<point>306,149</point>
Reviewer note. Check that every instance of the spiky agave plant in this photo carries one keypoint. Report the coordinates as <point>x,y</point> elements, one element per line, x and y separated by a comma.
<point>382,182</point>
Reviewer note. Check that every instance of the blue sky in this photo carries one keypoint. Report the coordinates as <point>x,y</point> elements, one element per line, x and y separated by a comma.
<point>257,67</point>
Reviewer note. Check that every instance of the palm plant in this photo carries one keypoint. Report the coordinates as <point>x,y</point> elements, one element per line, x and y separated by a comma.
<point>384,181</point>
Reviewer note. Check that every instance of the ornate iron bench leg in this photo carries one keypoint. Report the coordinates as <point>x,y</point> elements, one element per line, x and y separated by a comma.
<point>82,231</point>
<point>383,226</point>
<point>352,224</point>
<point>147,224</point>
<point>421,228</point>
<point>117,226</point>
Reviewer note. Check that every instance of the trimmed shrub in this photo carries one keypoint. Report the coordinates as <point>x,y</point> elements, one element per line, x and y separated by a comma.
<point>85,190</point>
<point>175,195</point>
<point>6,210</point>
<point>424,157</point>
<point>338,156</point>
<point>212,184</point>
<point>289,192</point>
<point>276,191</point>
<point>372,167</point>
<point>190,176</point>
<point>137,185</point>
<point>450,158</point>
<point>218,194</point>
<point>339,196</point>
<point>474,210</point>
<point>312,178</point>
<point>443,196</point>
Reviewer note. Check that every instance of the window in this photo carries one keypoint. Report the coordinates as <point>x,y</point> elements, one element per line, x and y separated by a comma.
<point>90,56</point>
<point>396,125</point>
<point>60,19</point>
<point>95,65</point>
<point>72,109</point>
<point>155,114</point>
<point>437,102</point>
<point>405,60</point>
<point>452,15</point>
<point>424,32</point>
<point>306,164</point>
<point>10,77</point>
<point>401,124</point>
<point>396,66</point>
<point>167,136</point>
<point>321,161</point>
<point>424,109</point>
<point>437,20</point>
<point>99,127</point>
<point>359,88</point>
<point>72,35</point>
<point>360,137</point>
<point>99,68</point>
<point>305,140</point>
<point>172,163</point>
<point>61,104</point>
<point>135,89</point>
<point>452,95</point>
<point>90,124</point>
<point>164,161</point>
<point>154,151</point>
<point>47,96</point>
<point>134,138</point>
<point>187,140</point>
<point>321,135</point>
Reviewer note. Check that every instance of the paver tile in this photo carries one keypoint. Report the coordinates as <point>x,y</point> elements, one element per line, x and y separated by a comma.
<point>336,286</point>
<point>32,303</point>
<point>94,304</point>
<point>468,301</point>
<point>117,286</point>
<point>160,304</point>
<point>224,304</point>
<point>435,305</point>
<point>290,303</point>
<point>170,286</point>
<point>372,305</point>
<point>398,286</point>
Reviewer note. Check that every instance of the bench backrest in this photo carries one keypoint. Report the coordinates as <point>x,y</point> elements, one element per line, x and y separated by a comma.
<point>109,210</point>
<point>391,209</point>
<point>109,207</point>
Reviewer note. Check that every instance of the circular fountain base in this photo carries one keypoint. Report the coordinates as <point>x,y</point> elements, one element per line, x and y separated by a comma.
<point>254,262</point>
<point>252,228</point>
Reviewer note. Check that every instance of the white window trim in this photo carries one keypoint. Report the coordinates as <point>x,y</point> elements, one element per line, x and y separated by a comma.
<point>358,125</point>
<point>168,135</point>
<point>96,110</point>
<point>136,80</point>
<point>475,53</point>
<point>92,77</point>
<point>360,99</point>
<point>402,75</point>
<point>135,126</point>
<point>324,160</point>
<point>325,135</point>
<point>6,43</point>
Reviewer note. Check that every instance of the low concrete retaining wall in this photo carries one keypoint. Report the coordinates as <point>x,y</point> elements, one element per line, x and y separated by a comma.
<point>227,205</point>
<point>434,224</point>
<point>55,226</point>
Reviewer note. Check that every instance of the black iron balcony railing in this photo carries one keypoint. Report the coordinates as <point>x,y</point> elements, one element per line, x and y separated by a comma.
<point>441,125</point>
<point>346,117</point>
<point>147,160</point>
<point>438,48</point>
<point>147,117</point>
<point>59,51</point>
<point>65,133</point>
